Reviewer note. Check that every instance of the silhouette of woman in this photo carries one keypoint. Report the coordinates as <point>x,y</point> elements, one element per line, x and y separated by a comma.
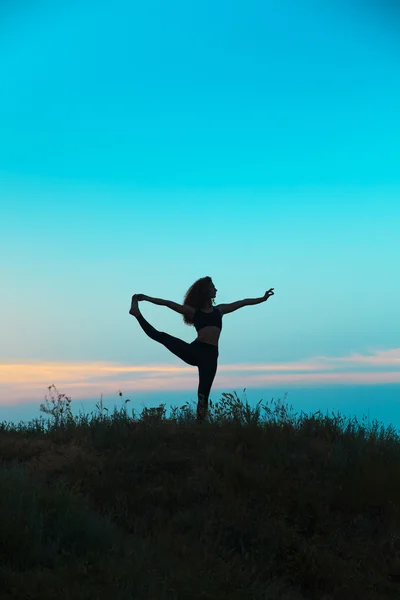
<point>198,309</point>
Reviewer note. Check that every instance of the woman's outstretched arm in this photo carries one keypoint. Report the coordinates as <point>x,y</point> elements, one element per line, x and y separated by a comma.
<point>180,308</point>
<point>228,308</point>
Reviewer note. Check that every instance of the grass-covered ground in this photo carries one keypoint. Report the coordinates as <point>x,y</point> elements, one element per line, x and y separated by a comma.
<point>256,503</point>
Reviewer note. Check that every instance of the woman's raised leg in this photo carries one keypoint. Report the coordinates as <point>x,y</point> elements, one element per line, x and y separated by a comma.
<point>180,348</point>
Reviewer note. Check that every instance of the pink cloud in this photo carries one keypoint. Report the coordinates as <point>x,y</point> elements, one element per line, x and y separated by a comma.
<point>28,380</point>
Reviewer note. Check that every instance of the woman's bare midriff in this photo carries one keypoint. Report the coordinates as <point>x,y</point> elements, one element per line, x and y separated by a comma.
<point>209,335</point>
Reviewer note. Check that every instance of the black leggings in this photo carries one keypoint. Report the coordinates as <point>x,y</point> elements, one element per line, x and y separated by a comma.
<point>198,354</point>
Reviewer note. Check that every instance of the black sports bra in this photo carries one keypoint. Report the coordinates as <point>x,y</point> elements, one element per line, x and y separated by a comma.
<point>202,319</point>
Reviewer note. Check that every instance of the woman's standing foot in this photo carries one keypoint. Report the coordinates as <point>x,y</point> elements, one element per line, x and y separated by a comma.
<point>201,408</point>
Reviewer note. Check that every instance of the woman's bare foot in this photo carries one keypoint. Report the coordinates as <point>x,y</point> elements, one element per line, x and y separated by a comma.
<point>134,311</point>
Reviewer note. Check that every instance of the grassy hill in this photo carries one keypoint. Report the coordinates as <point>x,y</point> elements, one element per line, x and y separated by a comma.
<point>254,504</point>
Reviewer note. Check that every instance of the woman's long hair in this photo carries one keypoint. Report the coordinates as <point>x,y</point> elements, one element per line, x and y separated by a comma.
<point>197,296</point>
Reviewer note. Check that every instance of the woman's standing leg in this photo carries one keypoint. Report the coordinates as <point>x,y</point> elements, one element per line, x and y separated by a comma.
<point>207,371</point>
<point>181,349</point>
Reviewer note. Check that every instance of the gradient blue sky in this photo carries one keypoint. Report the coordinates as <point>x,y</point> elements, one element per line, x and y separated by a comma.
<point>144,145</point>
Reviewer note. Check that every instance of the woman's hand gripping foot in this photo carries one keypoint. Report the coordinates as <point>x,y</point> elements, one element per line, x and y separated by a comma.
<point>134,310</point>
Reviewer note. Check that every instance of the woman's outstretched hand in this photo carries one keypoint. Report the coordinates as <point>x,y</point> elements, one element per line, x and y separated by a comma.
<point>269,293</point>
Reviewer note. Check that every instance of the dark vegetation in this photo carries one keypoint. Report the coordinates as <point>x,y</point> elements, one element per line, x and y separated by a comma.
<point>253,504</point>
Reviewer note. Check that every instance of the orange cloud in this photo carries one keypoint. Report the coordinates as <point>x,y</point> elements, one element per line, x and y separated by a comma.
<point>28,380</point>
